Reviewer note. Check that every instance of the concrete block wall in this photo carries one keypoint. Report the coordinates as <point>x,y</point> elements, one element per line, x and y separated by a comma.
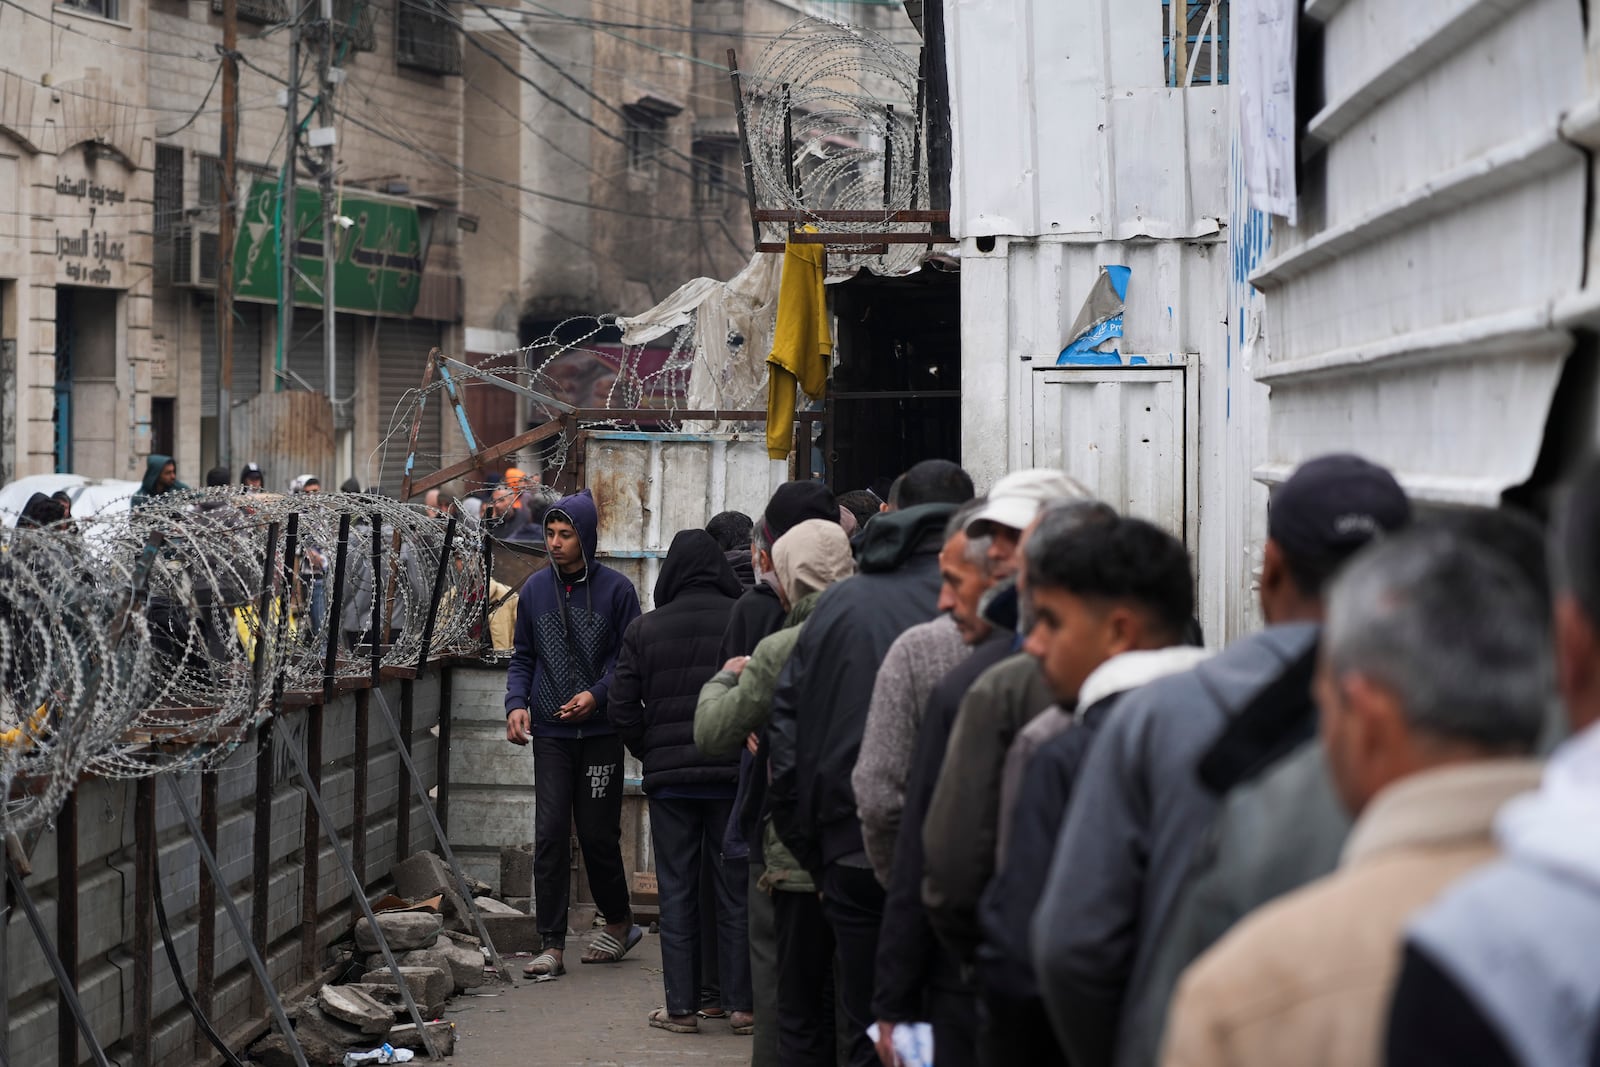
<point>106,873</point>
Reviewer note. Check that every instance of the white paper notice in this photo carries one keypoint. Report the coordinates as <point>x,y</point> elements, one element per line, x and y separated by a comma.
<point>1263,65</point>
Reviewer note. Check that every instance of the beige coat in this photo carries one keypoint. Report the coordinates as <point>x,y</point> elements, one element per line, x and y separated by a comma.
<point>1307,979</point>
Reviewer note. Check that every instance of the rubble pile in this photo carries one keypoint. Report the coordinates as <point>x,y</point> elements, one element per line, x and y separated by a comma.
<point>427,926</point>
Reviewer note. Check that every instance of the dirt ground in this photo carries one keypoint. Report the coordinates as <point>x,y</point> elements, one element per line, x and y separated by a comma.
<point>594,1015</point>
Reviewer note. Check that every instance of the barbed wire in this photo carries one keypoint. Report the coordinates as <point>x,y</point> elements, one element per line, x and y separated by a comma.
<point>158,639</point>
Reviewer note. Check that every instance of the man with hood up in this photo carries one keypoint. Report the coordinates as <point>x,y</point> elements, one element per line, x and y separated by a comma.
<point>667,655</point>
<point>819,713</point>
<point>160,477</point>
<point>570,620</point>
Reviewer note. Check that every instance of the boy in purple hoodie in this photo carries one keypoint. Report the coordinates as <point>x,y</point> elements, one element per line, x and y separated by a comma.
<point>570,621</point>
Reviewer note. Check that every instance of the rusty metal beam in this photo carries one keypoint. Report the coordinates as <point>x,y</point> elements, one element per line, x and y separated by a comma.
<point>488,455</point>
<point>311,853</point>
<point>67,927</point>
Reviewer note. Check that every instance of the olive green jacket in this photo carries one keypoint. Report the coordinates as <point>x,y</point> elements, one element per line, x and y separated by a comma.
<point>734,705</point>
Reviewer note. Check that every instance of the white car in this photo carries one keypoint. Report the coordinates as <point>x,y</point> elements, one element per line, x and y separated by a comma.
<point>90,496</point>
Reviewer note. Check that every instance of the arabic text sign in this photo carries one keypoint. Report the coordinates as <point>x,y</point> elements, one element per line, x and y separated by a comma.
<point>378,266</point>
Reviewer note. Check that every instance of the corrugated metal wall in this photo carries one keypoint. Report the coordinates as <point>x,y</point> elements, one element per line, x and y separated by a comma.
<point>288,434</point>
<point>403,346</point>
<point>246,352</point>
<point>649,486</point>
<point>1412,315</point>
<point>308,362</point>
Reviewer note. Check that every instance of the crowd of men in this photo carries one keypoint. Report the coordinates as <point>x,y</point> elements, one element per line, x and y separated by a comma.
<point>965,762</point>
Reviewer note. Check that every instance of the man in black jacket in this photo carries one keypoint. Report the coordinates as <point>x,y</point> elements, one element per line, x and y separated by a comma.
<point>820,708</point>
<point>666,657</point>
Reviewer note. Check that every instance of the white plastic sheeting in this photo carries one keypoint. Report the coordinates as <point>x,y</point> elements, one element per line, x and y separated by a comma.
<point>1412,316</point>
<point>1063,124</point>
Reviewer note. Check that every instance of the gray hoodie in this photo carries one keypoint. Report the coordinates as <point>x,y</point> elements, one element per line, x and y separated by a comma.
<point>1125,850</point>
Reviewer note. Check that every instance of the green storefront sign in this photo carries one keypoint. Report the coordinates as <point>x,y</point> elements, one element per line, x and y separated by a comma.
<point>378,266</point>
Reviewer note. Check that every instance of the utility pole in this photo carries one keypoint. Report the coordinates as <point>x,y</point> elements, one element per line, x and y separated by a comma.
<point>225,197</point>
<point>287,233</point>
<point>330,229</point>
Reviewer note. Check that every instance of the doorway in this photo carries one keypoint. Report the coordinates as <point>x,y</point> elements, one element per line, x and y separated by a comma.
<point>87,327</point>
<point>896,392</point>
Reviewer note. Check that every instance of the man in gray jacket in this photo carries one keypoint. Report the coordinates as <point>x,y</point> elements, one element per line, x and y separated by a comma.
<point>1140,807</point>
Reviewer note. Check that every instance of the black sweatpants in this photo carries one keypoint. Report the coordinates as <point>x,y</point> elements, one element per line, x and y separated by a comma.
<point>577,782</point>
<point>852,900</point>
<point>805,981</point>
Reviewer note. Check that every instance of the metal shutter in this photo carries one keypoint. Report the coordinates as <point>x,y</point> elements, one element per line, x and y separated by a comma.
<point>306,359</point>
<point>403,346</point>
<point>246,353</point>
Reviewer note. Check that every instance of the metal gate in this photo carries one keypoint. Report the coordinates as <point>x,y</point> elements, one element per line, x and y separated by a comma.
<point>246,353</point>
<point>403,346</point>
<point>307,360</point>
<point>1125,432</point>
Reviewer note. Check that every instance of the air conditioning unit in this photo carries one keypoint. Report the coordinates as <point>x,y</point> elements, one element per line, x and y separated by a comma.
<point>194,257</point>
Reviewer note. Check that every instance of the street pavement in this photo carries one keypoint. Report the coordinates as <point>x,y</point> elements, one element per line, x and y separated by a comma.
<point>594,1015</point>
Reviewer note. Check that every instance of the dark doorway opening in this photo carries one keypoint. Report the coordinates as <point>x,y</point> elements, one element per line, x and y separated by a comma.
<point>86,410</point>
<point>163,419</point>
<point>896,395</point>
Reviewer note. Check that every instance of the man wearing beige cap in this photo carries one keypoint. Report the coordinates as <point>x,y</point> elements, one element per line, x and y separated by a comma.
<point>1014,503</point>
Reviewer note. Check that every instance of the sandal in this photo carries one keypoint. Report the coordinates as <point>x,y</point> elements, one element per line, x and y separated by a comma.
<point>743,1023</point>
<point>612,949</point>
<point>662,1021</point>
<point>544,965</point>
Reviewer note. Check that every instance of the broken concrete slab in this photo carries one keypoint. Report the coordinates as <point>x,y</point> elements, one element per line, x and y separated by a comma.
<point>491,906</point>
<point>273,1051</point>
<point>420,875</point>
<point>403,930</point>
<point>443,1034</point>
<point>516,870</point>
<point>466,961</point>
<point>523,905</point>
<point>352,1006</point>
<point>430,986</point>
<point>513,933</point>
<point>386,995</point>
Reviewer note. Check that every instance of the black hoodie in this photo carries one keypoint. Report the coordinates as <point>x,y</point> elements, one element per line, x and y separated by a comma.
<point>820,707</point>
<point>667,655</point>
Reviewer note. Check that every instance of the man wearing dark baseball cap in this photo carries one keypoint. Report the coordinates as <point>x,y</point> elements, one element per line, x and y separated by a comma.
<point>1151,789</point>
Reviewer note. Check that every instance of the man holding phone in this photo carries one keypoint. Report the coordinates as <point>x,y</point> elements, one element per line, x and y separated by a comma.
<point>570,619</point>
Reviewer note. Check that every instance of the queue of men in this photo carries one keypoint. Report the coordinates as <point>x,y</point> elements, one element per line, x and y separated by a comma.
<point>973,772</point>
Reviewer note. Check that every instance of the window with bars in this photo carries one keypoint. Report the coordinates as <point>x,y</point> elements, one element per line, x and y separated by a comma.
<point>355,23</point>
<point>1195,42</point>
<point>168,195</point>
<point>261,11</point>
<point>427,36</point>
<point>714,174</point>
<point>209,184</point>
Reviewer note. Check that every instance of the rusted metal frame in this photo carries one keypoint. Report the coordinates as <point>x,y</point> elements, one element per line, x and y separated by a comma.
<point>746,163</point>
<point>402,736</point>
<point>261,869</point>
<point>335,610</point>
<point>65,984</point>
<point>888,153</point>
<point>488,455</point>
<point>311,853</point>
<point>375,632</point>
<point>851,239</point>
<point>441,761</point>
<point>499,382</point>
<point>416,425</point>
<point>311,782</point>
<point>912,215</point>
<point>67,927</point>
<point>257,959</point>
<point>455,402</point>
<point>916,132</point>
<point>863,249</point>
<point>358,816</point>
<point>439,573</point>
<point>206,920</point>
